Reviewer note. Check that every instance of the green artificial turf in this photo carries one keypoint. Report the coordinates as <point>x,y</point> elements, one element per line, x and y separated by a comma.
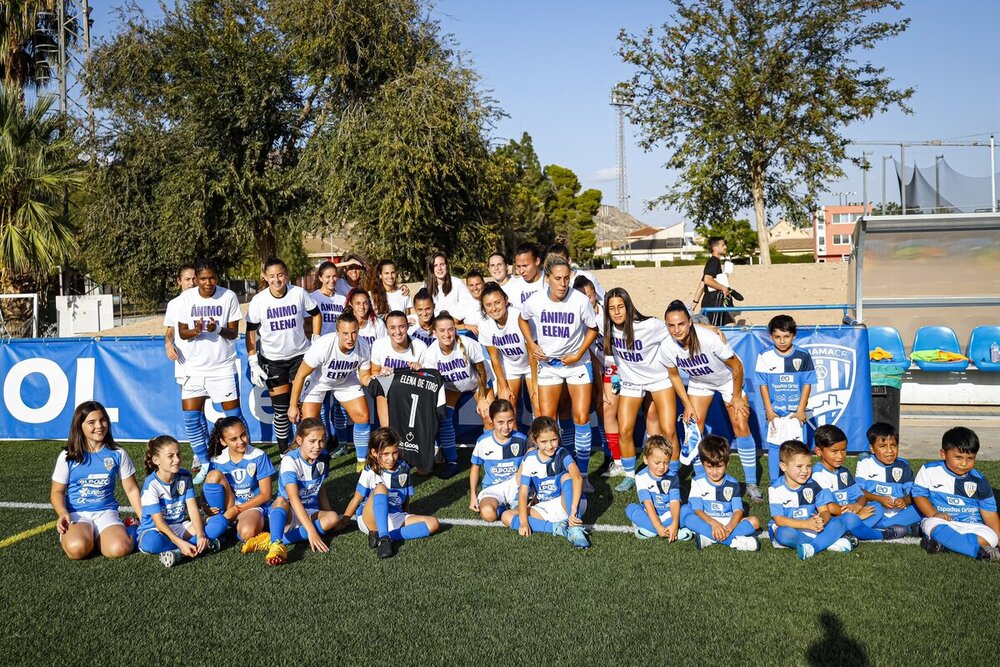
<point>485,595</point>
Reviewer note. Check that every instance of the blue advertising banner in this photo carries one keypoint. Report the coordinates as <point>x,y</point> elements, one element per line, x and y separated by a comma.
<point>45,379</point>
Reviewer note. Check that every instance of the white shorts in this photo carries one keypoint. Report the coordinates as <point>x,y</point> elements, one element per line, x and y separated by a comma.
<point>554,374</point>
<point>98,521</point>
<point>978,529</point>
<point>293,521</point>
<point>504,493</point>
<point>182,530</point>
<point>220,389</point>
<point>517,374</point>
<point>396,521</point>
<point>315,392</point>
<point>630,390</point>
<point>554,510</point>
<point>696,388</point>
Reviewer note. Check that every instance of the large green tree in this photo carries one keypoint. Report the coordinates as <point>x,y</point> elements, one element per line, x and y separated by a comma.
<point>38,166</point>
<point>530,191</point>
<point>572,212</point>
<point>751,98</point>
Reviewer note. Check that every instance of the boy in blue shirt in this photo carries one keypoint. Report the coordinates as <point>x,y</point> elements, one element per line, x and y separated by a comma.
<point>800,519</point>
<point>849,502</point>
<point>957,502</point>
<point>887,479</point>
<point>715,510</point>
<point>784,374</point>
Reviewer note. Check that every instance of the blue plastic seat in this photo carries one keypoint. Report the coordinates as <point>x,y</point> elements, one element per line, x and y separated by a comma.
<point>979,348</point>
<point>938,338</point>
<point>889,340</point>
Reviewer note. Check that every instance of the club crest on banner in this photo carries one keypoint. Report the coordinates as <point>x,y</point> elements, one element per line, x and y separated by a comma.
<point>836,375</point>
<point>807,493</point>
<point>897,474</point>
<point>970,489</point>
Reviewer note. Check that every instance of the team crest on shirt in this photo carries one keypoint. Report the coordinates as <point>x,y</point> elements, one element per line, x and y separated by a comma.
<point>239,475</point>
<point>665,486</point>
<point>897,474</point>
<point>843,478</point>
<point>727,493</point>
<point>402,479</point>
<point>109,464</point>
<point>515,448</point>
<point>181,487</point>
<point>797,364</point>
<point>970,488</point>
<point>320,467</point>
<point>807,493</point>
<point>836,375</point>
<point>251,469</point>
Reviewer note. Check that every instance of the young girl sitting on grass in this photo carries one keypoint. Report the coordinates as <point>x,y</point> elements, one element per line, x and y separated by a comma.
<point>238,485</point>
<point>167,494</point>
<point>83,487</point>
<point>552,473</point>
<point>300,493</point>
<point>382,498</point>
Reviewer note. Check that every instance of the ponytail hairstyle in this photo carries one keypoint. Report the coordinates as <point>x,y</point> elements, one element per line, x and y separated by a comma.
<point>491,288</point>
<point>186,266</point>
<point>274,261</point>
<point>632,315</point>
<point>431,280</point>
<point>350,304</point>
<point>502,405</point>
<point>559,247</point>
<point>381,438</point>
<point>423,294</point>
<point>540,426</point>
<point>445,316</point>
<point>154,447</point>
<point>76,443</point>
<point>553,260</point>
<point>325,266</point>
<point>307,426</point>
<point>215,445</point>
<point>377,289</point>
<point>691,340</point>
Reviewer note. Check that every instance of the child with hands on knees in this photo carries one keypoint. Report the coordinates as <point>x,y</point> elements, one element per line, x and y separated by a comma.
<point>498,453</point>
<point>715,509</point>
<point>658,512</point>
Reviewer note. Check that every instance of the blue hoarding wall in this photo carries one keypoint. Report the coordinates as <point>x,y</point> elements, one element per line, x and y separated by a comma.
<point>43,380</point>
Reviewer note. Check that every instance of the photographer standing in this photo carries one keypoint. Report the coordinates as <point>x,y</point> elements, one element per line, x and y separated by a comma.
<point>714,290</point>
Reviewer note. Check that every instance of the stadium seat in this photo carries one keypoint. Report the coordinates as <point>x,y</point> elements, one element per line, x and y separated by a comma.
<point>889,340</point>
<point>979,347</point>
<point>938,338</point>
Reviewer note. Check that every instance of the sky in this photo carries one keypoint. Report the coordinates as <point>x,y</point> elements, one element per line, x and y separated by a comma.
<point>550,64</point>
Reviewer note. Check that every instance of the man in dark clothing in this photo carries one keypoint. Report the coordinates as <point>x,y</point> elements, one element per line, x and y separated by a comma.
<point>711,292</point>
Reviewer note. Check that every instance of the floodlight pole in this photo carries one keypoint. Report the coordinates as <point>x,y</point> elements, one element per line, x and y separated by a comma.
<point>902,177</point>
<point>993,174</point>
<point>864,181</point>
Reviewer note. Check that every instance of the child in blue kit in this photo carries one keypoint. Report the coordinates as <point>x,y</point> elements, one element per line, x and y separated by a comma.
<point>167,498</point>
<point>498,454</point>
<point>550,471</point>
<point>957,502</point>
<point>715,510</point>
<point>658,512</point>
<point>859,516</point>
<point>800,519</point>
<point>886,479</point>
<point>301,512</point>
<point>381,501</point>
<point>783,374</point>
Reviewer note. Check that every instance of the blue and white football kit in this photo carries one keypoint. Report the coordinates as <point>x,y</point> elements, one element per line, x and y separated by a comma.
<point>719,501</point>
<point>307,479</point>
<point>800,504</point>
<point>553,488</point>
<point>243,476</point>
<point>894,480</point>
<point>389,508</point>
<point>786,377</point>
<point>661,492</point>
<point>90,486</point>
<point>964,499</point>
<point>169,500</point>
<point>846,491</point>
<point>499,463</point>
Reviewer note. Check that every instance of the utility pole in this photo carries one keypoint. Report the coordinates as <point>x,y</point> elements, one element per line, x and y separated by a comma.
<point>865,165</point>
<point>620,100</point>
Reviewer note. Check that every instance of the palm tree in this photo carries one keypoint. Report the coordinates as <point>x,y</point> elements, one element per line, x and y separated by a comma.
<point>27,28</point>
<point>39,166</point>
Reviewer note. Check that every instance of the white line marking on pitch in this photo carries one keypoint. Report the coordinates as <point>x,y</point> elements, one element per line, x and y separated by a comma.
<point>473,523</point>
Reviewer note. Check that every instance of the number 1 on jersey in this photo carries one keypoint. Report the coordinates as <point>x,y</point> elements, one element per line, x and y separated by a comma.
<point>413,409</point>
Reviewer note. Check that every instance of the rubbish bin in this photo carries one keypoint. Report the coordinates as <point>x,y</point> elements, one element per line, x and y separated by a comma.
<point>887,380</point>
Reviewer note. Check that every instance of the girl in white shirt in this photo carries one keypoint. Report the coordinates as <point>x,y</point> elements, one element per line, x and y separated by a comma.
<point>448,291</point>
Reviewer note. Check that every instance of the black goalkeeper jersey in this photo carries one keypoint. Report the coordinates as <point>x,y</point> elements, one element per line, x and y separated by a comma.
<point>416,400</point>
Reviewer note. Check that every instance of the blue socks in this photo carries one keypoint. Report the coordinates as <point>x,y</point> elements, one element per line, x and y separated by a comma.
<point>277,517</point>
<point>567,497</point>
<point>215,496</point>
<point>628,462</point>
<point>361,434</point>
<point>966,544</point>
<point>414,531</point>
<point>537,525</point>
<point>567,433</point>
<point>636,513</point>
<point>904,517</point>
<point>300,534</point>
<point>216,527</point>
<point>674,467</point>
<point>582,439</point>
<point>446,435</point>
<point>380,508</point>
<point>860,529</point>
<point>747,450</point>
<point>792,538</point>
<point>196,430</point>
<point>773,462</point>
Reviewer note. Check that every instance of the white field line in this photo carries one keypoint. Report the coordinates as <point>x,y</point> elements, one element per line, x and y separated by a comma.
<point>472,523</point>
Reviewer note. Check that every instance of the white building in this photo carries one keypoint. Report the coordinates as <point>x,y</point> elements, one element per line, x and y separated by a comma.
<point>664,244</point>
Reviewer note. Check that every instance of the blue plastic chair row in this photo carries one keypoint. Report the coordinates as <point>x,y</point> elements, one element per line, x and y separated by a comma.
<point>939,338</point>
